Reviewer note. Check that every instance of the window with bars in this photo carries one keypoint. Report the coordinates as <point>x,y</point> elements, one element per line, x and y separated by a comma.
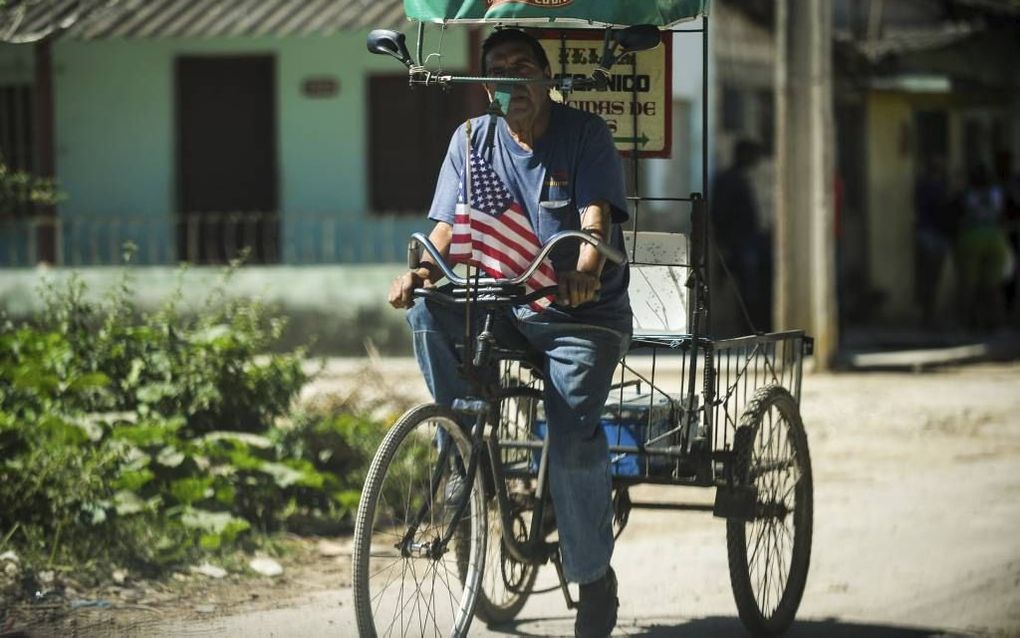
<point>409,132</point>
<point>17,143</point>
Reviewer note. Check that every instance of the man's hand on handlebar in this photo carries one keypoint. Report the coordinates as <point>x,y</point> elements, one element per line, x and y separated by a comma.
<point>577,287</point>
<point>426,274</point>
<point>402,288</point>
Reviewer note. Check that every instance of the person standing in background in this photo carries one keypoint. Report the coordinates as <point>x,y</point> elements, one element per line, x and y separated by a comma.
<point>934,230</point>
<point>982,251</point>
<point>1009,182</point>
<point>745,246</point>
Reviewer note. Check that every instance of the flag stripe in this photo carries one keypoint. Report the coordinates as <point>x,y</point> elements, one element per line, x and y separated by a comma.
<point>514,213</point>
<point>542,276</point>
<point>517,221</point>
<point>525,239</point>
<point>483,230</point>
<point>495,249</point>
<point>520,260</point>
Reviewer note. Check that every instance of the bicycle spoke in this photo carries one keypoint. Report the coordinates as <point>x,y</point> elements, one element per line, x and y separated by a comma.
<point>757,544</point>
<point>431,607</point>
<point>763,576</point>
<point>391,580</point>
<point>779,564</point>
<point>446,578</point>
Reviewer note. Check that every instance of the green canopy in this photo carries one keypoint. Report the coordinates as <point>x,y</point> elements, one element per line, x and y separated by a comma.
<point>661,13</point>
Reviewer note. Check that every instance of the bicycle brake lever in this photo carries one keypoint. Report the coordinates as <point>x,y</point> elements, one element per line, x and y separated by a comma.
<point>413,254</point>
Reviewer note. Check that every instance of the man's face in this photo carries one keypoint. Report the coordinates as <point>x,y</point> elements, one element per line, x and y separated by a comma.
<point>517,60</point>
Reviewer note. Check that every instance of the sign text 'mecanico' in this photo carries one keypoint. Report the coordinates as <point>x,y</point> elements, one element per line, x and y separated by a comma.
<point>618,82</point>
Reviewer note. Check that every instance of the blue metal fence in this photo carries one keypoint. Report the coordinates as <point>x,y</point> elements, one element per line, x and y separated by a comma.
<point>289,238</point>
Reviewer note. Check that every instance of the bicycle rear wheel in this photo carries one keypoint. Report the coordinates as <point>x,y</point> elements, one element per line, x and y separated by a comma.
<point>405,582</point>
<point>506,582</point>
<point>769,552</point>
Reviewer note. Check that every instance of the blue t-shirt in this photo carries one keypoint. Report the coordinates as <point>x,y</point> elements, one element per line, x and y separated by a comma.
<point>571,166</point>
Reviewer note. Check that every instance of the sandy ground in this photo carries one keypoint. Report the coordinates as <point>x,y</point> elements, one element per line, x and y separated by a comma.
<point>917,512</point>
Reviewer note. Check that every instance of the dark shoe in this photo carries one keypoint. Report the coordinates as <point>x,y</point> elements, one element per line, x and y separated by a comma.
<point>596,608</point>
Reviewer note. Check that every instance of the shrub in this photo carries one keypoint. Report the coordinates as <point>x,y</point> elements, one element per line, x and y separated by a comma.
<point>149,440</point>
<point>137,437</point>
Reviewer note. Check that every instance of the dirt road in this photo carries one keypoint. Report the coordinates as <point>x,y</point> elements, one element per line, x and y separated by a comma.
<point>917,525</point>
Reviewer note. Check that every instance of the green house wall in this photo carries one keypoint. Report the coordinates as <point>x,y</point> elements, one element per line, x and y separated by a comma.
<point>115,142</point>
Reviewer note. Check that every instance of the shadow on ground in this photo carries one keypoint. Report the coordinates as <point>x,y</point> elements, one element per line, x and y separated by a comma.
<point>715,627</point>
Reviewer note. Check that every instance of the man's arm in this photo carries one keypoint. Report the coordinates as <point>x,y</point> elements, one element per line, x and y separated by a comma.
<point>427,274</point>
<point>580,285</point>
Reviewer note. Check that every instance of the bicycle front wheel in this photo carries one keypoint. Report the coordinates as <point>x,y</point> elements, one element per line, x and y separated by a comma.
<point>769,552</point>
<point>406,581</point>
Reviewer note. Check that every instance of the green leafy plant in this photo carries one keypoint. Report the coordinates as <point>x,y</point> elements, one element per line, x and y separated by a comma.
<point>133,434</point>
<point>148,440</point>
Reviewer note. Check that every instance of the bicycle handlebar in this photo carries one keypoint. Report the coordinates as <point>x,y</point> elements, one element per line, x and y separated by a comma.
<point>604,249</point>
<point>518,298</point>
<point>597,80</point>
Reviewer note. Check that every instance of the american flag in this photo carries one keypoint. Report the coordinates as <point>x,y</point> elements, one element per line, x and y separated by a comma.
<point>494,233</point>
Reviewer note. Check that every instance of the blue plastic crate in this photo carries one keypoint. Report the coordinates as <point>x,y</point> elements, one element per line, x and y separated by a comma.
<point>627,423</point>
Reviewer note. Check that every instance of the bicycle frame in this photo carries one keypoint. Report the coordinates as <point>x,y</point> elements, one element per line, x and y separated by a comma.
<point>727,390</point>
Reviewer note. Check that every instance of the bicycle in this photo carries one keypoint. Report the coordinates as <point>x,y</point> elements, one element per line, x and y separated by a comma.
<point>476,551</point>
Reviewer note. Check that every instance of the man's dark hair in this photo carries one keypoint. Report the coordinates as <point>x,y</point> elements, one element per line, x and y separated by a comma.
<point>503,36</point>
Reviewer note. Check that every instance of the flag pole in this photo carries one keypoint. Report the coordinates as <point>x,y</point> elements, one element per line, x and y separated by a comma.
<point>468,353</point>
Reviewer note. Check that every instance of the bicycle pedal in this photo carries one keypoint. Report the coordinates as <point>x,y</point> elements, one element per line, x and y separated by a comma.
<point>473,407</point>
<point>547,551</point>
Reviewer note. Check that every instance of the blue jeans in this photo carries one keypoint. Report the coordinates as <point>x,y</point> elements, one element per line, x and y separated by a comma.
<point>579,361</point>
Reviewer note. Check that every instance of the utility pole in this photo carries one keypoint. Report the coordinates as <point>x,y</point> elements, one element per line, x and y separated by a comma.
<point>805,246</point>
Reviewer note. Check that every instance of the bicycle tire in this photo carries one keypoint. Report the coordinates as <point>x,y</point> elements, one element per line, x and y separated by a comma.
<point>507,583</point>
<point>771,454</point>
<point>395,489</point>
